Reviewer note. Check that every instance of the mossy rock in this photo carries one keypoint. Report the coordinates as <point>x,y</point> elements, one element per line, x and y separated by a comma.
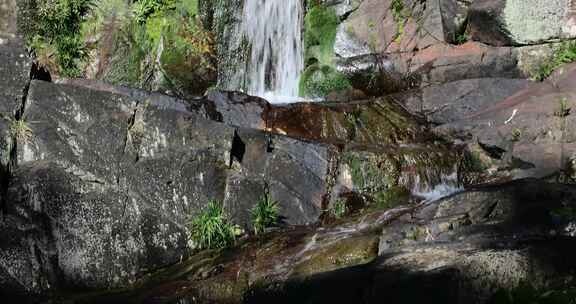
<point>319,81</point>
<point>346,253</point>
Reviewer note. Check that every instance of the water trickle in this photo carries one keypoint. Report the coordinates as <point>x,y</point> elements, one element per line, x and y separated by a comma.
<point>273,28</point>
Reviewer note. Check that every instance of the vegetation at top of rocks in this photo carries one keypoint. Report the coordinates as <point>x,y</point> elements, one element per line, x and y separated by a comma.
<point>144,8</point>
<point>211,228</point>
<point>320,76</point>
<point>562,54</point>
<point>53,31</point>
<point>265,214</point>
<point>149,44</point>
<point>397,8</point>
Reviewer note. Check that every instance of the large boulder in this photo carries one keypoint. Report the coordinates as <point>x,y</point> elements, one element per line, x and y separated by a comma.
<point>451,101</point>
<point>522,22</point>
<point>530,132</point>
<point>106,184</point>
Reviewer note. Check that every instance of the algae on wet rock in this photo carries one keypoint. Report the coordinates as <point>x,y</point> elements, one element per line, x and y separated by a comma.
<point>320,76</point>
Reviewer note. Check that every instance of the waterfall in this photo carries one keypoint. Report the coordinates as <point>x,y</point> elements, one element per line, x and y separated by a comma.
<point>273,29</point>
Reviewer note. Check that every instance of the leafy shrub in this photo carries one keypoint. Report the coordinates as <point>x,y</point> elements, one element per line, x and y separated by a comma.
<point>57,26</point>
<point>144,8</point>
<point>211,229</point>
<point>564,53</point>
<point>265,214</point>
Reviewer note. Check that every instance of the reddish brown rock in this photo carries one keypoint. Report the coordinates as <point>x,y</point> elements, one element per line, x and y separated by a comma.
<point>532,131</point>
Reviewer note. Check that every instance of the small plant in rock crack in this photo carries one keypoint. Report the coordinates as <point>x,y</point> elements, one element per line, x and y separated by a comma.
<point>516,134</point>
<point>19,129</point>
<point>339,209</point>
<point>265,214</point>
<point>211,229</point>
<point>563,108</point>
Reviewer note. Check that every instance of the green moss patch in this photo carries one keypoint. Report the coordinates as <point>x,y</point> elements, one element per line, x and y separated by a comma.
<point>319,81</point>
<point>320,76</point>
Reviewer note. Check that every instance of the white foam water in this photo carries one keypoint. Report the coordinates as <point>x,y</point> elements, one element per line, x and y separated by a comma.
<point>273,28</point>
<point>449,185</point>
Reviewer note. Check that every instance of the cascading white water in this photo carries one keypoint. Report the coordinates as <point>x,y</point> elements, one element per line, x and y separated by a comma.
<point>273,28</point>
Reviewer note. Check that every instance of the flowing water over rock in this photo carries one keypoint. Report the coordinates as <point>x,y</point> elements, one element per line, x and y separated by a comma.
<point>272,31</point>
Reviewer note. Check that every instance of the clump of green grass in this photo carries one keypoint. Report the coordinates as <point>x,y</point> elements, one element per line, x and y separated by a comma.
<point>212,229</point>
<point>339,209</point>
<point>265,214</point>
<point>563,54</point>
<point>19,129</point>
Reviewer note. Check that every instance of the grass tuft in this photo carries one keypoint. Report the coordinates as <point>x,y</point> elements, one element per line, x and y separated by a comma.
<point>212,229</point>
<point>265,214</point>
<point>563,54</point>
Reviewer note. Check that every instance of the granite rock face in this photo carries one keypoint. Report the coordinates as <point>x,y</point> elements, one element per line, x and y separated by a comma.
<point>105,184</point>
<point>519,22</point>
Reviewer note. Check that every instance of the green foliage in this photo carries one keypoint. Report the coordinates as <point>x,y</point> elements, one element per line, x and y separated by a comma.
<point>57,26</point>
<point>102,14</point>
<point>339,209</point>
<point>144,8</point>
<point>265,214</point>
<point>526,294</point>
<point>461,38</point>
<point>320,77</point>
<point>320,27</point>
<point>563,54</point>
<point>211,229</point>
<point>397,8</point>
<point>18,128</point>
<point>392,197</point>
<point>319,81</point>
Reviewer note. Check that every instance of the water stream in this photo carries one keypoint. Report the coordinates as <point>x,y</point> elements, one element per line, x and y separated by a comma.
<point>273,29</point>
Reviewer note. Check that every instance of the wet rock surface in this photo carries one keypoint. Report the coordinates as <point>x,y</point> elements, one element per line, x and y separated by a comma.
<point>465,247</point>
<point>99,183</point>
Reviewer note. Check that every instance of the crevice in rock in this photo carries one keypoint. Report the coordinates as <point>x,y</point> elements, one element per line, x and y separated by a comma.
<point>238,149</point>
<point>269,143</point>
<point>6,173</point>
<point>38,72</point>
<point>492,151</point>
